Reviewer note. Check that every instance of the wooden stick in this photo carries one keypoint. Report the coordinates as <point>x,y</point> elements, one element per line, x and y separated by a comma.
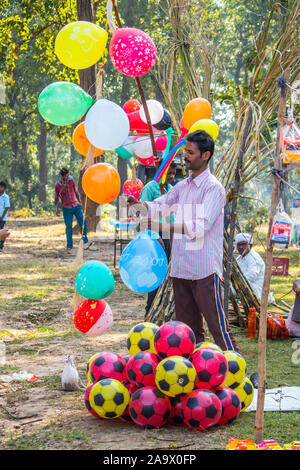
<point>262,339</point>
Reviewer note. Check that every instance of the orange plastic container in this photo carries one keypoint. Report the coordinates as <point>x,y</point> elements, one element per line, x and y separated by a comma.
<point>251,333</point>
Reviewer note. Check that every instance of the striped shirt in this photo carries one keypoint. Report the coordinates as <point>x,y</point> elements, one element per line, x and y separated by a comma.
<point>199,204</point>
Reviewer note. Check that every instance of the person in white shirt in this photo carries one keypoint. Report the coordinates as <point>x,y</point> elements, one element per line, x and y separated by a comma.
<point>4,206</point>
<point>251,264</point>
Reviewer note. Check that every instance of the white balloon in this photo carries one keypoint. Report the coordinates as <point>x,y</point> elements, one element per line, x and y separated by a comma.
<point>106,125</point>
<point>143,147</point>
<point>156,111</point>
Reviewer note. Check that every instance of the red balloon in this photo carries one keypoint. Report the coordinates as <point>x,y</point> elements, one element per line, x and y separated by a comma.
<point>132,51</point>
<point>146,161</point>
<point>93,317</point>
<point>133,189</point>
<point>136,124</point>
<point>131,105</point>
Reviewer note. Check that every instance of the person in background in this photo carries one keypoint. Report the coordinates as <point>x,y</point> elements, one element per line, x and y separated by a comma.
<point>197,244</point>
<point>4,206</point>
<point>293,320</point>
<point>150,192</point>
<point>251,264</point>
<point>66,191</point>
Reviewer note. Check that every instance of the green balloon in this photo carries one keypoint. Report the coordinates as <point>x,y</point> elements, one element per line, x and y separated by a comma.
<point>123,152</point>
<point>62,103</point>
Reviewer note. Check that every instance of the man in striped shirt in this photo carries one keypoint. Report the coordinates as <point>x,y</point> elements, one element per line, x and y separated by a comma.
<point>197,242</point>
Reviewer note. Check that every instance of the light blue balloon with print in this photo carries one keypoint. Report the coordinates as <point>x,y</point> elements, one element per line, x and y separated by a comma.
<point>94,280</point>
<point>143,264</point>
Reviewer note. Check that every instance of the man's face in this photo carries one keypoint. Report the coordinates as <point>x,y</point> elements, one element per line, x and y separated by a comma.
<point>65,177</point>
<point>170,175</point>
<point>2,189</point>
<point>193,159</point>
<point>243,248</point>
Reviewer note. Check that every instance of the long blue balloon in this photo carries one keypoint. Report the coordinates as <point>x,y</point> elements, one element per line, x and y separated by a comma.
<point>158,174</point>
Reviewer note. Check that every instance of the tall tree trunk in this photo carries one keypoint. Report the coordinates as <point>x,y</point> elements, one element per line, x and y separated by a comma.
<point>87,79</point>
<point>43,170</point>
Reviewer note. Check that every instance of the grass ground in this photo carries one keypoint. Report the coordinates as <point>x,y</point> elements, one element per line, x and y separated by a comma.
<point>35,308</point>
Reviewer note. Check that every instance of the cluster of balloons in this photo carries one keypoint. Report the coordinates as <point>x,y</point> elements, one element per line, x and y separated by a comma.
<point>95,282</point>
<point>196,116</point>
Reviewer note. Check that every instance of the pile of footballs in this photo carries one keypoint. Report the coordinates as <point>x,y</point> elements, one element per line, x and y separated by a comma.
<point>168,378</point>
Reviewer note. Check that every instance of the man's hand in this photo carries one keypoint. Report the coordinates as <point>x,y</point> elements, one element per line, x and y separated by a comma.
<point>4,233</point>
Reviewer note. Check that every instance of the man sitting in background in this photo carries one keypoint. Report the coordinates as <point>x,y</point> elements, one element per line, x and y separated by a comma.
<point>251,264</point>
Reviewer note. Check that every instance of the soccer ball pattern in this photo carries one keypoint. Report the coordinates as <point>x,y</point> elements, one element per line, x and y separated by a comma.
<point>108,365</point>
<point>141,338</point>
<point>174,338</point>
<point>88,366</point>
<point>175,375</point>
<point>149,408</point>
<point>207,344</point>
<point>87,401</point>
<point>126,415</point>
<point>236,369</point>
<point>109,398</point>
<point>231,404</point>
<point>176,407</point>
<point>245,392</point>
<point>201,409</point>
<point>211,367</point>
<point>141,369</point>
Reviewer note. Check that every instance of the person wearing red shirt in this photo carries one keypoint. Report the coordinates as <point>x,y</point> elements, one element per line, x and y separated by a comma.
<point>66,191</point>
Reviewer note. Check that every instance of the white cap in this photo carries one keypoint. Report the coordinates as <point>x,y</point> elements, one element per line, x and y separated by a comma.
<point>243,237</point>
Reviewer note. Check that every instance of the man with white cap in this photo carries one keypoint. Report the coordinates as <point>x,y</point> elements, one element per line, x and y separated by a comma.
<point>251,264</point>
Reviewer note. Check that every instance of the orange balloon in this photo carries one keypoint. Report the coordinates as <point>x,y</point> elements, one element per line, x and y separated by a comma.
<point>101,183</point>
<point>81,142</point>
<point>198,108</point>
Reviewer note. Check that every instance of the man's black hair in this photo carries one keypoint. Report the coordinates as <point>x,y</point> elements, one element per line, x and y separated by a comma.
<point>2,183</point>
<point>203,141</point>
<point>64,171</point>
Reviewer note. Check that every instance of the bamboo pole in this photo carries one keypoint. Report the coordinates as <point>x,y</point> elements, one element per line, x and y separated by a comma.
<point>262,339</point>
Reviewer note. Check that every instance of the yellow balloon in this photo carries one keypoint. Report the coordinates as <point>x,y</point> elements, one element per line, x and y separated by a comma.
<point>207,125</point>
<point>80,44</point>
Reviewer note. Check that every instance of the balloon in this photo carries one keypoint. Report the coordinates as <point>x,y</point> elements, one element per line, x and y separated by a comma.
<point>133,189</point>
<point>81,142</point>
<point>136,124</point>
<point>161,142</point>
<point>198,108</point>
<point>132,51</point>
<point>165,122</point>
<point>101,183</point>
<point>143,147</point>
<point>93,317</point>
<point>143,264</point>
<point>126,150</point>
<point>131,105</point>
<point>94,280</point>
<point>156,111</point>
<point>146,161</point>
<point>80,44</point>
<point>207,125</point>
<point>106,125</point>
<point>62,103</point>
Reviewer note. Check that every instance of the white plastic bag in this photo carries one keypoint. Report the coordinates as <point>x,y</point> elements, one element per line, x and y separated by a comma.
<point>281,230</point>
<point>69,377</point>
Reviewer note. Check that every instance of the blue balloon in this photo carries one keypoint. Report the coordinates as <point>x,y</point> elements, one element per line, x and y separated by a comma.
<point>94,280</point>
<point>143,264</point>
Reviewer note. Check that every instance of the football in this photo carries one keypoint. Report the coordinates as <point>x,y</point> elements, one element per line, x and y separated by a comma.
<point>109,398</point>
<point>174,338</point>
<point>207,344</point>
<point>231,404</point>
<point>108,365</point>
<point>175,375</point>
<point>245,392</point>
<point>141,369</point>
<point>201,409</point>
<point>87,401</point>
<point>141,338</point>
<point>237,369</point>
<point>149,408</point>
<point>211,368</point>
